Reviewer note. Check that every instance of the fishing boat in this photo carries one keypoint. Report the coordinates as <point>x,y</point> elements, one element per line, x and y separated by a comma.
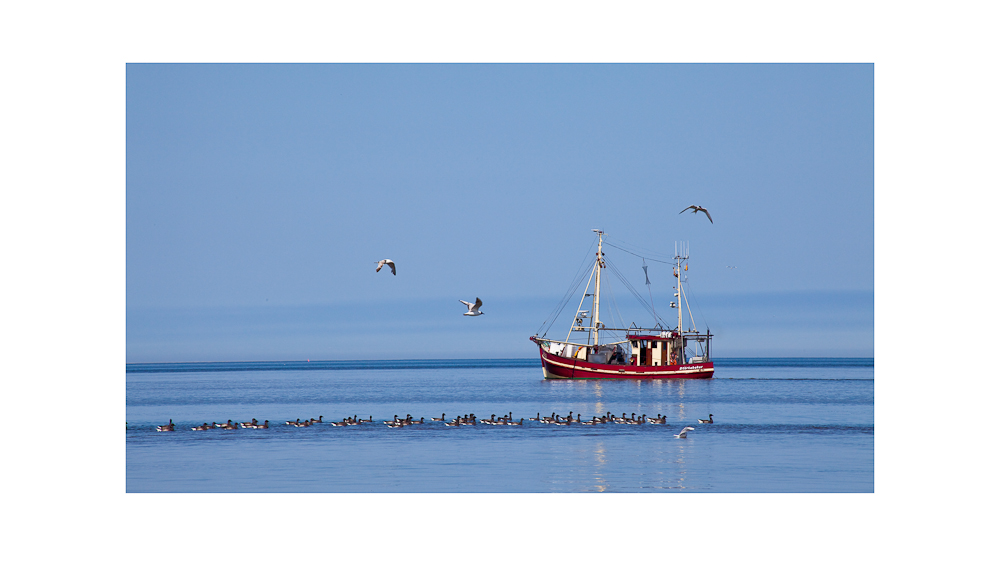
<point>593,350</point>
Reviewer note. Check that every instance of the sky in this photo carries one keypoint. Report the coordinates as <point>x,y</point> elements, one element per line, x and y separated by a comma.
<point>258,198</point>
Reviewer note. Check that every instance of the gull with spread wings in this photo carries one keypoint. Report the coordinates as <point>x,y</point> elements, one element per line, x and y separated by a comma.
<point>684,432</point>
<point>473,307</point>
<point>391,264</point>
<point>696,210</point>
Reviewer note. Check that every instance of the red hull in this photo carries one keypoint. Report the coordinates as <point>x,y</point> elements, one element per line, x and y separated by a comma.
<point>558,367</point>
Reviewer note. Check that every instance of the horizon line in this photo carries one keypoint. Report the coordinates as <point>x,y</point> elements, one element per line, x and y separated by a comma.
<point>451,359</point>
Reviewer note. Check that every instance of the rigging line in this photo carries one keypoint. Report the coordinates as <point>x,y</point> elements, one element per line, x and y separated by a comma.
<point>635,293</point>
<point>566,301</point>
<point>628,286</point>
<point>560,307</point>
<point>641,248</point>
<point>614,304</point>
<point>573,286</point>
<point>607,243</point>
<point>649,288</point>
<point>614,301</point>
<point>695,300</point>
<point>701,349</point>
<point>690,315</point>
<point>639,251</point>
<point>579,308</point>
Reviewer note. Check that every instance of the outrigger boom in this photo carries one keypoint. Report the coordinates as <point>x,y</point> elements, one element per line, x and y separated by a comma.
<point>651,352</point>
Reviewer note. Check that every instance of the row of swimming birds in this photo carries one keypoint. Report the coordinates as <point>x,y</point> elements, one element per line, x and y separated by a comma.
<point>467,419</point>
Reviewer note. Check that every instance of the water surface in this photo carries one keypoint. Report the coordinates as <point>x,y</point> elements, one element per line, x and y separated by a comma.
<point>781,425</point>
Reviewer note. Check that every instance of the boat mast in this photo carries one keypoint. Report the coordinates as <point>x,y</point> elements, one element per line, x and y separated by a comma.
<point>677,274</point>
<point>680,254</point>
<point>597,288</point>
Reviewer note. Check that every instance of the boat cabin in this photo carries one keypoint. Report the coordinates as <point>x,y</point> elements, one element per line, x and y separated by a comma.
<point>655,350</point>
<point>666,348</point>
<point>663,349</point>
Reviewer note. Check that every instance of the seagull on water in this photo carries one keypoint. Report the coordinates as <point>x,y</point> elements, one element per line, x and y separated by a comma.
<point>392,265</point>
<point>696,210</point>
<point>684,432</point>
<point>473,307</point>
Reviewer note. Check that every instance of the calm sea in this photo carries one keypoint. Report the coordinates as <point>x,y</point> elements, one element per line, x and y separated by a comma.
<point>781,425</point>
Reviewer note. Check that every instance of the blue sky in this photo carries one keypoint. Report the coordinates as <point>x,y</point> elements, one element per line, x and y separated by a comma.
<point>260,196</point>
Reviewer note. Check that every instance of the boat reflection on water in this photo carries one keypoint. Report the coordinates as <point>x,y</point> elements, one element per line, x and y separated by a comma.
<point>681,467</point>
<point>600,461</point>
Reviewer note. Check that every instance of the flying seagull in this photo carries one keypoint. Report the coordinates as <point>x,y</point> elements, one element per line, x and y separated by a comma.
<point>696,210</point>
<point>684,432</point>
<point>392,265</point>
<point>473,307</point>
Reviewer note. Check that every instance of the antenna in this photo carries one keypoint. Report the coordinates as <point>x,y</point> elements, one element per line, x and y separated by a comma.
<point>682,249</point>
